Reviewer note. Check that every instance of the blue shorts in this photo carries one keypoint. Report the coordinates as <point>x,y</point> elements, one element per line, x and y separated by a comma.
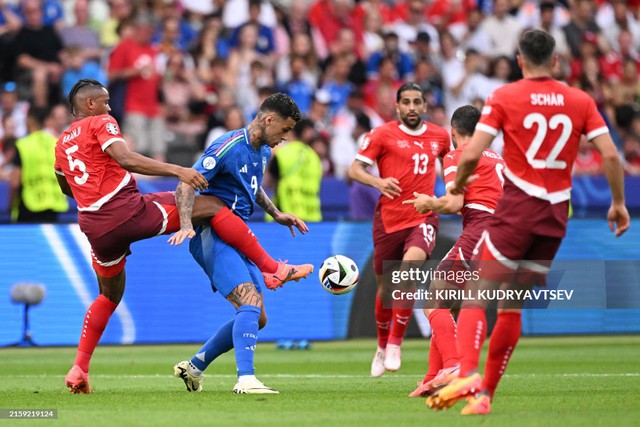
<point>224,265</point>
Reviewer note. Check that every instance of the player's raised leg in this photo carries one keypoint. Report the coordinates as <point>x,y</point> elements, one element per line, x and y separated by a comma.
<point>234,231</point>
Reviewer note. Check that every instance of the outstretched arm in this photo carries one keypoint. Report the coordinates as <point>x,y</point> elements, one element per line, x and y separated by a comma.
<point>469,160</point>
<point>134,162</point>
<point>289,220</point>
<point>389,187</point>
<point>185,196</point>
<point>447,204</point>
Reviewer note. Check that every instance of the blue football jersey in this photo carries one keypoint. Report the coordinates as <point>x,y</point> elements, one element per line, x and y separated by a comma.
<point>234,170</point>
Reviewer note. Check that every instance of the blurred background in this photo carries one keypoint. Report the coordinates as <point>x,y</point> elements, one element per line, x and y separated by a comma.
<point>182,72</point>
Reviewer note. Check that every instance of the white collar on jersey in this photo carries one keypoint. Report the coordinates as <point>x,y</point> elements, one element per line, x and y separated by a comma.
<point>413,132</point>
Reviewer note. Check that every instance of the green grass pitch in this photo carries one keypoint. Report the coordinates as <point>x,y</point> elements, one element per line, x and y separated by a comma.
<point>568,381</point>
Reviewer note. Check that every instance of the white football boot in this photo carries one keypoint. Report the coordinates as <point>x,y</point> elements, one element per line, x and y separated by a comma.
<point>252,386</point>
<point>377,365</point>
<point>392,360</point>
<point>191,380</point>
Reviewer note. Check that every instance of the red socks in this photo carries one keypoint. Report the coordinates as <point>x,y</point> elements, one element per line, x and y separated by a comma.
<point>401,318</point>
<point>234,231</point>
<point>503,341</point>
<point>435,361</point>
<point>444,335</point>
<point>472,331</point>
<point>95,321</point>
<point>383,322</point>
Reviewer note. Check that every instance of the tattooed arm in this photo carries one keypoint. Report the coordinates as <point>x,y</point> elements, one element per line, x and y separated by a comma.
<point>289,220</point>
<point>265,203</point>
<point>185,197</point>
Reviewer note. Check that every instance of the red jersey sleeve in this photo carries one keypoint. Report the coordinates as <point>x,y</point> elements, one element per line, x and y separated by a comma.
<point>594,124</point>
<point>450,167</point>
<point>370,148</point>
<point>492,116</point>
<point>106,131</point>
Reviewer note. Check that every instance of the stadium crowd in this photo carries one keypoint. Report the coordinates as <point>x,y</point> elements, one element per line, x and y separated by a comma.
<point>182,72</point>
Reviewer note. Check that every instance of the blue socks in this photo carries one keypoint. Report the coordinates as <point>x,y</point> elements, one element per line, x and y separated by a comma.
<point>218,344</point>
<point>245,337</point>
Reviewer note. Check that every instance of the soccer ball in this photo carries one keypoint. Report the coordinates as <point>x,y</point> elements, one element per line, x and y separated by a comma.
<point>338,274</point>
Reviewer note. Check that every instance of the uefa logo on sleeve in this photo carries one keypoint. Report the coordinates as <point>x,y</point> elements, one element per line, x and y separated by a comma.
<point>209,163</point>
<point>112,128</point>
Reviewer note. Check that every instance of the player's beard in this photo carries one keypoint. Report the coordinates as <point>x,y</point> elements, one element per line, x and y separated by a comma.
<point>411,122</point>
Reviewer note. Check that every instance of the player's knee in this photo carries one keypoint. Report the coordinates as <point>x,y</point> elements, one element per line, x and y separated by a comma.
<point>262,322</point>
<point>245,294</point>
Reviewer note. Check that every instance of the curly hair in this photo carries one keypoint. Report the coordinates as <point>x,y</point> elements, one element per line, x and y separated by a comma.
<point>283,105</point>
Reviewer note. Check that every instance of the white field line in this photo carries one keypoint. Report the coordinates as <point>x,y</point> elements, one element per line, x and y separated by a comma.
<point>332,376</point>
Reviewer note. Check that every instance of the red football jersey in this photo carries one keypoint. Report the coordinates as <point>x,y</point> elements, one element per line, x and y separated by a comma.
<point>95,177</point>
<point>409,156</point>
<point>542,120</point>
<point>485,192</point>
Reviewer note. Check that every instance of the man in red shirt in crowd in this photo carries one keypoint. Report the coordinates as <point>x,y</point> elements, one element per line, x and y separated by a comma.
<point>542,120</point>
<point>93,166</point>
<point>134,61</point>
<point>477,205</point>
<point>405,152</point>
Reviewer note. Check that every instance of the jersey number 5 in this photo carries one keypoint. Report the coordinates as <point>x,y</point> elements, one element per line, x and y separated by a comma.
<point>551,162</point>
<point>77,164</point>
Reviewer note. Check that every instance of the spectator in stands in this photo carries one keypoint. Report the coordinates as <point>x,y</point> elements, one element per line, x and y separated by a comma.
<point>548,24</point>
<point>631,149</point>
<point>452,69</point>
<point>412,20</point>
<point>337,83</point>
<point>182,34</point>
<point>623,20</point>
<point>37,47</point>
<point>627,90</point>
<point>133,60</point>
<point>470,85</point>
<point>344,46</point>
<point>372,37</point>
<point>81,35</point>
<point>295,174</point>
<point>380,92</point>
<point>36,196</point>
<point>77,66</point>
<point>319,112</point>
<point>119,10</point>
<point>582,21</point>
<point>241,58</point>
<point>473,35</point>
<point>503,29</point>
<point>236,13</point>
<point>233,119</point>
<point>209,45</point>
<point>58,120</point>
<point>10,24</point>
<point>588,161</point>
<point>298,88</point>
<point>300,47</point>
<point>402,61</point>
<point>328,17</point>
<point>11,107</point>
<point>265,43</point>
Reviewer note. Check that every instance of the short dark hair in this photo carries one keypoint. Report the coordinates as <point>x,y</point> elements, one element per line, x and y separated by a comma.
<point>38,114</point>
<point>79,87</point>
<point>283,105</point>
<point>537,46</point>
<point>408,86</point>
<point>464,120</point>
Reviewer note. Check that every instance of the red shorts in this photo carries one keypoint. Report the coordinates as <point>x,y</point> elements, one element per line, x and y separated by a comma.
<point>523,235</point>
<point>158,215</point>
<point>458,258</point>
<point>392,246</point>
